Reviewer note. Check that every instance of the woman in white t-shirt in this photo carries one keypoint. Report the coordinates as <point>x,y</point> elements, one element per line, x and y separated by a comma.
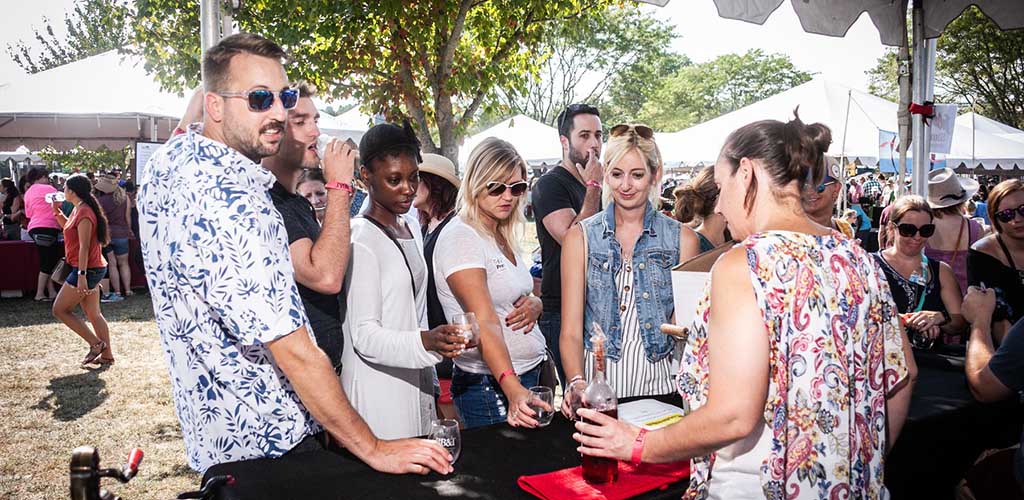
<point>484,272</point>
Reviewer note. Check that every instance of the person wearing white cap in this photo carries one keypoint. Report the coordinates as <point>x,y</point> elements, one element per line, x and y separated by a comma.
<point>948,193</point>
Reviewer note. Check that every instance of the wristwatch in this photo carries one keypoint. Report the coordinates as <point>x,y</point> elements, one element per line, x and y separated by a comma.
<point>81,272</point>
<point>344,186</point>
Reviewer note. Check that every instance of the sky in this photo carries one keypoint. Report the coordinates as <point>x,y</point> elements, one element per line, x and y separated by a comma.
<point>703,36</point>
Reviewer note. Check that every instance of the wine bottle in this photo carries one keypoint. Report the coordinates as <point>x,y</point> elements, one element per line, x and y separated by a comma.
<point>600,396</point>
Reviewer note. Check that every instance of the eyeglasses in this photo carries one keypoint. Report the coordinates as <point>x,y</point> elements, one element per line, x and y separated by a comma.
<point>821,187</point>
<point>495,188</point>
<point>641,130</point>
<point>1010,213</point>
<point>910,230</point>
<point>262,99</point>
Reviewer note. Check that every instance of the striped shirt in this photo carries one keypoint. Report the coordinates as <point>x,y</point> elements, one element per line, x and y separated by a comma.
<point>632,375</point>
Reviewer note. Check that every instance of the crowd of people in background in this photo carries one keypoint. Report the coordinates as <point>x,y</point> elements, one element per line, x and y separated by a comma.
<point>306,299</point>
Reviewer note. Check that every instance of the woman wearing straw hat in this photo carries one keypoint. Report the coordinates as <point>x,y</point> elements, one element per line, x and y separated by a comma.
<point>114,202</point>
<point>435,204</point>
<point>948,193</point>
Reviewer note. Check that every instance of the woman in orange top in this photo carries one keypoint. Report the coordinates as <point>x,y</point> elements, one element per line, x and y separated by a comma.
<point>85,234</point>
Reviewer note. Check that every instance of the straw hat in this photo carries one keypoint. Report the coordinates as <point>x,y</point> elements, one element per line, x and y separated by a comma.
<point>106,184</point>
<point>441,167</point>
<point>946,189</point>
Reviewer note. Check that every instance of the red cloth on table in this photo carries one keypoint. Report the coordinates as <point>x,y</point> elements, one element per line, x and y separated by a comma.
<point>633,481</point>
<point>19,265</point>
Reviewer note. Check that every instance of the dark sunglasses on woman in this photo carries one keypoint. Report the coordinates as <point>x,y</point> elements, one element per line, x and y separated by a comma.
<point>910,230</point>
<point>262,99</point>
<point>495,188</point>
<point>641,130</point>
<point>1010,213</point>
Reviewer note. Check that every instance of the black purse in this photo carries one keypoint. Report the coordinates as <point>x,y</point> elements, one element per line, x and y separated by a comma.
<point>60,272</point>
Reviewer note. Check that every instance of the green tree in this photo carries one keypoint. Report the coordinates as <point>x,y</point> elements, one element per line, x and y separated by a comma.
<point>93,27</point>
<point>700,92</point>
<point>632,88</point>
<point>432,61</point>
<point>584,57</point>
<point>976,63</point>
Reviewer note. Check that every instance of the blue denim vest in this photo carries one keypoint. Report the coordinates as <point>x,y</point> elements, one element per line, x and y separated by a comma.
<point>654,256</point>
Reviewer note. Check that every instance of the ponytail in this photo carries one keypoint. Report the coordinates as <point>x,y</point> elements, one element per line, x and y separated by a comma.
<point>82,187</point>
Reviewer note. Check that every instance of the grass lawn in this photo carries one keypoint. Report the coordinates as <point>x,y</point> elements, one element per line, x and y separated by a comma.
<point>49,404</point>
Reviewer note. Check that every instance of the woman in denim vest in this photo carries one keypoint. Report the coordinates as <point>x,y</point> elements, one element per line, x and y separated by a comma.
<point>616,272</point>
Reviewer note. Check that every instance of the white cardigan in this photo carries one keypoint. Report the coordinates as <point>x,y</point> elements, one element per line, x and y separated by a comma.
<point>386,371</point>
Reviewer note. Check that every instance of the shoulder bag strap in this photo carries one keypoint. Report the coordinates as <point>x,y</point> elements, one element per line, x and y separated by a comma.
<point>398,245</point>
<point>1006,252</point>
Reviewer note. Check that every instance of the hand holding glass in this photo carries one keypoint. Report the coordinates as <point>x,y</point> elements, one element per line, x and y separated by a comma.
<point>542,402</point>
<point>470,328</point>
<point>446,433</point>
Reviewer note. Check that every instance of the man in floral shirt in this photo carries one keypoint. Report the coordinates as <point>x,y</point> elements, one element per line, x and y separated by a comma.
<point>247,378</point>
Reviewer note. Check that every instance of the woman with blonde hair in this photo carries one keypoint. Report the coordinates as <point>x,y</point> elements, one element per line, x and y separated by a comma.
<point>616,272</point>
<point>480,269</point>
<point>695,207</point>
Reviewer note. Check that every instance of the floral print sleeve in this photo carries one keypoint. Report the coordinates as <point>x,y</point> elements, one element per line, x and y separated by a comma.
<point>835,353</point>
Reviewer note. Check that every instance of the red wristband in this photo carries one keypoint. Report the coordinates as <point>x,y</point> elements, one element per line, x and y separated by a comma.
<point>638,448</point>
<point>505,374</point>
<point>178,131</point>
<point>594,184</point>
<point>340,185</point>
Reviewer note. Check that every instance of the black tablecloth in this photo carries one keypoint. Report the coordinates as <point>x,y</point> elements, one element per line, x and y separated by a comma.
<point>492,460</point>
<point>943,435</point>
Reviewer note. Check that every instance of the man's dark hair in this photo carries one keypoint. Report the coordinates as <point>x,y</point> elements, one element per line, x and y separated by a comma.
<point>218,58</point>
<point>566,119</point>
<point>306,89</point>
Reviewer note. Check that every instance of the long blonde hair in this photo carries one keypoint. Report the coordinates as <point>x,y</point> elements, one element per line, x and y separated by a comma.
<point>493,160</point>
<point>624,139</point>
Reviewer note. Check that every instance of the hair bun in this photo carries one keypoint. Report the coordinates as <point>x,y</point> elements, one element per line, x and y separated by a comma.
<point>806,146</point>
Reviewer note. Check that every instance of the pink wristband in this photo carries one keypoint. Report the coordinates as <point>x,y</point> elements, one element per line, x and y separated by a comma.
<point>505,374</point>
<point>638,448</point>
<point>594,184</point>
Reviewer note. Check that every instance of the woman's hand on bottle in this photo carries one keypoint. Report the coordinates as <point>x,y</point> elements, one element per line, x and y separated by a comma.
<point>526,312</point>
<point>602,436</point>
<point>446,340</point>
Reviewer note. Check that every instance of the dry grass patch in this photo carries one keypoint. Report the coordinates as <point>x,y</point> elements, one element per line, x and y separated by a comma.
<point>49,405</point>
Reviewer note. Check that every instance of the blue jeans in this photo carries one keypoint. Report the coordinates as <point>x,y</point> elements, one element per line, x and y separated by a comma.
<point>478,397</point>
<point>117,245</point>
<point>550,324</point>
<point>92,277</point>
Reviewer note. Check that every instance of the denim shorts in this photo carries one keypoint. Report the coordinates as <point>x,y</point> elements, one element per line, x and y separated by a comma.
<point>92,277</point>
<point>117,245</point>
<point>478,397</point>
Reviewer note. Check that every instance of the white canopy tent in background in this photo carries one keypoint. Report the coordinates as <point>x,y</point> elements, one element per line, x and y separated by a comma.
<point>103,100</point>
<point>974,121</point>
<point>351,124</point>
<point>854,117</point>
<point>536,142</point>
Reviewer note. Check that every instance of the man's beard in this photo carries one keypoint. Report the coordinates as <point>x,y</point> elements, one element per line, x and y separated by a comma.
<point>249,144</point>
<point>576,158</point>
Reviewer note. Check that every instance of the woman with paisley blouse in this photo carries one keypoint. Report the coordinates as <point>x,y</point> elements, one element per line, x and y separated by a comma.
<point>795,367</point>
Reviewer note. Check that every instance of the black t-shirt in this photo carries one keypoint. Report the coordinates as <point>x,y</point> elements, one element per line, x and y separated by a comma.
<point>323,310</point>
<point>1008,283</point>
<point>554,191</point>
<point>1007,364</point>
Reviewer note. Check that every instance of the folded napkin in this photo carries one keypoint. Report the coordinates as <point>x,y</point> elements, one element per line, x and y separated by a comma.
<point>633,481</point>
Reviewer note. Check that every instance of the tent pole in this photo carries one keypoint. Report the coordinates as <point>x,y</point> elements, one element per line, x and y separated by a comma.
<point>903,113</point>
<point>842,153</point>
<point>209,24</point>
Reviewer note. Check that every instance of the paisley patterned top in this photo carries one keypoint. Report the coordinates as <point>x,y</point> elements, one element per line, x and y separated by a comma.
<point>835,352</point>
<point>221,280</point>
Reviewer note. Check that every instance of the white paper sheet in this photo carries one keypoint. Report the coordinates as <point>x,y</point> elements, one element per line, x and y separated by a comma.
<point>650,413</point>
<point>687,288</point>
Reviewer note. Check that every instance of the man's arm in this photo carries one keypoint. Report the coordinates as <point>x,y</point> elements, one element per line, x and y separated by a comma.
<point>314,380</point>
<point>977,309</point>
<point>558,222</point>
<point>321,266</point>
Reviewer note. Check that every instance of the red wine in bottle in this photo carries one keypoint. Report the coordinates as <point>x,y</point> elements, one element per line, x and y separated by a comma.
<point>600,470</point>
<point>599,396</point>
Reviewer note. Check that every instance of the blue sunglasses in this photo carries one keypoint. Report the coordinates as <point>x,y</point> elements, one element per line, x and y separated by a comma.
<point>261,100</point>
<point>821,187</point>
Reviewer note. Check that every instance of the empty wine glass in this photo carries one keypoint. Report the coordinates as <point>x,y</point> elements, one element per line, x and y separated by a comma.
<point>466,322</point>
<point>446,433</point>
<point>538,395</point>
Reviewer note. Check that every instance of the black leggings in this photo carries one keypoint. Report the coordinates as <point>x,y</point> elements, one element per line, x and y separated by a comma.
<point>48,256</point>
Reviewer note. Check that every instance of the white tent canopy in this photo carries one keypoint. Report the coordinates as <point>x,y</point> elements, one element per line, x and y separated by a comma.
<point>855,117</point>
<point>350,124</point>
<point>536,142</point>
<point>106,99</point>
<point>974,121</point>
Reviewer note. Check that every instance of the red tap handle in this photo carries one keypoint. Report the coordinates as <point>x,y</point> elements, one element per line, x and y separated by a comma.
<point>134,459</point>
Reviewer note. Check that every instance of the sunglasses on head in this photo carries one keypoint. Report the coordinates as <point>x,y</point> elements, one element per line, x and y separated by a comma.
<point>821,187</point>
<point>495,188</point>
<point>910,230</point>
<point>623,129</point>
<point>263,99</point>
<point>1010,213</point>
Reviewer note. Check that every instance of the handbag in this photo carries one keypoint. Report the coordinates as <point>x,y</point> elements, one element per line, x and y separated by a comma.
<point>44,240</point>
<point>60,272</point>
<point>549,373</point>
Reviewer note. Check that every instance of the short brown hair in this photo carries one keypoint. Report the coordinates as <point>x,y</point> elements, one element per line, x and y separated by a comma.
<point>305,89</point>
<point>218,58</point>
<point>996,195</point>
<point>909,203</point>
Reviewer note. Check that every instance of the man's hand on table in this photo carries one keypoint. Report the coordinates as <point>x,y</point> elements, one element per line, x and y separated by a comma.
<point>405,456</point>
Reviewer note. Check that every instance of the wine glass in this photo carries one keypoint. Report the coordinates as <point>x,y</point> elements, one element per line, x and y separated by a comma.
<point>446,433</point>
<point>466,322</point>
<point>543,394</point>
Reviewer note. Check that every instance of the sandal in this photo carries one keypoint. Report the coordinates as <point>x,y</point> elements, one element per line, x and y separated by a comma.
<point>104,361</point>
<point>94,352</point>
